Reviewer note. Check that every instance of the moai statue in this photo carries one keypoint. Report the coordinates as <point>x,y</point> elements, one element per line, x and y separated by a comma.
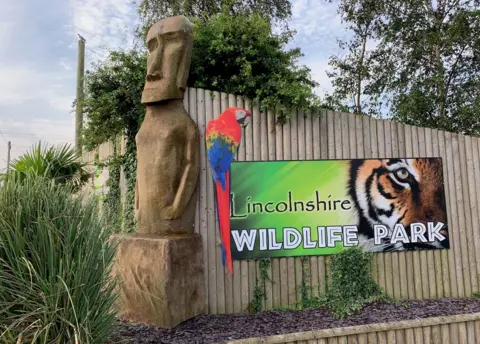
<point>161,265</point>
<point>168,140</point>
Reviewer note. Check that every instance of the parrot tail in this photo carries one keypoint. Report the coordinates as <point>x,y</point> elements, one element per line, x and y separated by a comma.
<point>223,213</point>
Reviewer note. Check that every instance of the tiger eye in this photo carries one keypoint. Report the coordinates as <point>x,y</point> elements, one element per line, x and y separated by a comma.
<point>402,173</point>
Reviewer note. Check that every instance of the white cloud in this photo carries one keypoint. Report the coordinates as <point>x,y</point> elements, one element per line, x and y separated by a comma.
<point>18,85</point>
<point>104,24</point>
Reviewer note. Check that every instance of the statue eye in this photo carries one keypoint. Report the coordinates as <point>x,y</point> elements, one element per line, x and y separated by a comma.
<point>402,174</point>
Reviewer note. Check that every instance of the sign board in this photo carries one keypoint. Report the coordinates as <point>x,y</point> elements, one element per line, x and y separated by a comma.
<point>321,207</point>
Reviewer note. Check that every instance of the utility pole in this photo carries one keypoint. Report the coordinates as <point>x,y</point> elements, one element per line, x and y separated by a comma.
<point>9,148</point>
<point>80,94</point>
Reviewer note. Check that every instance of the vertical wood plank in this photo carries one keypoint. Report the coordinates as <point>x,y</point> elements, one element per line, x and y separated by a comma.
<point>475,218</point>
<point>312,141</point>
<point>292,262</point>
<point>452,151</point>
<point>372,152</point>
<point>436,286</point>
<point>286,263</point>
<point>197,109</point>
<point>391,338</point>
<point>470,332</point>
<point>417,264</point>
<point>436,335</point>
<point>252,152</point>
<point>322,153</point>
<point>444,281</point>
<point>227,101</point>
<point>445,151</point>
<point>396,260</point>
<point>408,255</point>
<point>265,155</point>
<point>391,260</point>
<point>277,129</point>
<point>400,336</point>
<point>219,98</point>
<point>210,226</point>
<point>380,153</point>
<point>429,260</point>
<point>468,179</point>
<point>445,330</point>
<point>463,212</point>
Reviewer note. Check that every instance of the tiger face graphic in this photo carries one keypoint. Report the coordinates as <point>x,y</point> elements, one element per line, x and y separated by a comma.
<point>397,191</point>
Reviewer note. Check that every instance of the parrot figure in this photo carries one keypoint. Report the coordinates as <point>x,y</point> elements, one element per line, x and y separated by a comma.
<point>223,137</point>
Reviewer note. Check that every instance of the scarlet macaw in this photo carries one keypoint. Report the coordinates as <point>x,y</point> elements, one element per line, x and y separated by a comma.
<point>223,137</point>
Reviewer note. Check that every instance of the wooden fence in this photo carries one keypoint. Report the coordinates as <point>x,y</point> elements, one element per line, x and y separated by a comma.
<point>406,275</point>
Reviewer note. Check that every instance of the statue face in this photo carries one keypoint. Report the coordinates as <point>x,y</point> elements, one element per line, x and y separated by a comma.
<point>169,43</point>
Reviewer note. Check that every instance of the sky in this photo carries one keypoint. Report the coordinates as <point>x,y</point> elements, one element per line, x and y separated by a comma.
<point>38,57</point>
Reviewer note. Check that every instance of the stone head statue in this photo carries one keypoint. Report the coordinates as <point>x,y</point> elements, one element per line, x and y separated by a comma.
<point>169,42</point>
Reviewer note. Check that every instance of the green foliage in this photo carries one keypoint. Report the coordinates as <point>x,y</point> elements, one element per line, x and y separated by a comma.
<point>234,54</point>
<point>259,295</point>
<point>419,60</point>
<point>130,170</point>
<point>55,265</point>
<point>112,99</point>
<point>352,286</point>
<point>58,163</point>
<point>241,55</point>
<point>151,11</point>
<point>307,298</point>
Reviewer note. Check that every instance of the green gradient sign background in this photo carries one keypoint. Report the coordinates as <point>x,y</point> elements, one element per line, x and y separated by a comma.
<point>270,182</point>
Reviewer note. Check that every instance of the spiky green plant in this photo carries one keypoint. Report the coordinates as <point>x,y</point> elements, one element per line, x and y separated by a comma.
<point>55,266</point>
<point>60,163</point>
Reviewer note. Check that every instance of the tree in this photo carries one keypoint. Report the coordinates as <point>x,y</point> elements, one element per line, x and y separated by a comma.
<point>235,54</point>
<point>151,11</point>
<point>58,163</point>
<point>241,55</point>
<point>426,63</point>
<point>354,75</point>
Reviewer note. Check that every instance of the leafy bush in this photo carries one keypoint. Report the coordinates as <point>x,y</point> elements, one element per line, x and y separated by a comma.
<point>352,286</point>
<point>55,265</point>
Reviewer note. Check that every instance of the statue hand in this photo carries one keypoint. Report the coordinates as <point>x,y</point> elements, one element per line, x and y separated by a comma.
<point>169,213</point>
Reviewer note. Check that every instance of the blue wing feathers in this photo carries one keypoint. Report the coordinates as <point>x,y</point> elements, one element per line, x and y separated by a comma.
<point>220,157</point>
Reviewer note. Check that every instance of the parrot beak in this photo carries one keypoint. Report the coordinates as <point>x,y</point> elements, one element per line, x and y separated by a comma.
<point>246,120</point>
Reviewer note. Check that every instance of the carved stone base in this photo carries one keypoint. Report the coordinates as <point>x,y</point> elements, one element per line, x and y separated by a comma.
<point>161,278</point>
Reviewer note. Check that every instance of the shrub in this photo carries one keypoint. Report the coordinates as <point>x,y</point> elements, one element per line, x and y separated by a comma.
<point>352,286</point>
<point>55,265</point>
<point>60,163</point>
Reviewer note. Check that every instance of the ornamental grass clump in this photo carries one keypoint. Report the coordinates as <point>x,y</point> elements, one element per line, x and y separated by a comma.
<point>55,265</point>
<point>352,286</point>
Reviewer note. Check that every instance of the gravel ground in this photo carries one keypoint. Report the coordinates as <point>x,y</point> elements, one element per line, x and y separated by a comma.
<point>212,329</point>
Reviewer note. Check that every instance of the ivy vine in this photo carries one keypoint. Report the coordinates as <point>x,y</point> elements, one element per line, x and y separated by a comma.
<point>130,171</point>
<point>259,294</point>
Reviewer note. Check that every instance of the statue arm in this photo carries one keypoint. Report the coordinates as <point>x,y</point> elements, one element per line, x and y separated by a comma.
<point>189,179</point>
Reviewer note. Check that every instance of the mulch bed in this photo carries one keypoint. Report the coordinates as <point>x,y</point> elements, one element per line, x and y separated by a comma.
<point>212,329</point>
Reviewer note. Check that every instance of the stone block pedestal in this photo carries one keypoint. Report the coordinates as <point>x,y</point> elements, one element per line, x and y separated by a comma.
<point>161,278</point>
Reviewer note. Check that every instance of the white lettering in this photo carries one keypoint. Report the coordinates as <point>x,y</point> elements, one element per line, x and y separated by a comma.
<point>334,235</point>
<point>434,231</point>
<point>399,234</point>
<point>380,232</point>
<point>287,238</point>
<point>246,238</point>
<point>308,243</point>
<point>272,241</point>
<point>418,232</point>
<point>350,237</point>
<point>263,239</point>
